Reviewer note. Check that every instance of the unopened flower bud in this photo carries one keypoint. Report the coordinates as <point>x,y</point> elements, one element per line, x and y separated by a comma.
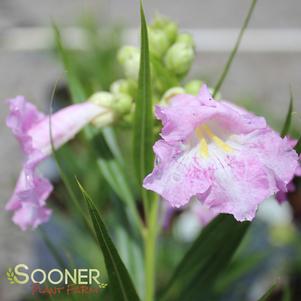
<point>193,87</point>
<point>186,38</point>
<point>124,86</point>
<point>170,93</point>
<point>179,58</point>
<point>158,42</point>
<point>104,99</point>
<point>169,27</point>
<point>129,58</point>
<point>123,103</point>
<point>119,103</point>
<point>129,117</point>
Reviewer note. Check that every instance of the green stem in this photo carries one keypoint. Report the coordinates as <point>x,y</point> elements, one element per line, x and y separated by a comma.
<point>234,50</point>
<point>150,239</point>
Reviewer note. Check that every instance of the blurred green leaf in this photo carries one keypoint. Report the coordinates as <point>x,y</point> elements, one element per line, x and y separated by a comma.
<point>288,119</point>
<point>268,294</point>
<point>76,90</point>
<point>286,294</point>
<point>167,78</point>
<point>235,49</point>
<point>120,282</point>
<point>112,173</point>
<point>111,141</point>
<point>206,259</point>
<point>131,254</point>
<point>237,270</point>
<point>110,165</point>
<point>53,249</point>
<point>143,121</point>
<point>56,254</point>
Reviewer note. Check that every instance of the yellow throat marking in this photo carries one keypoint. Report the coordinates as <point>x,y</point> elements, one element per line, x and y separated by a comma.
<point>203,130</point>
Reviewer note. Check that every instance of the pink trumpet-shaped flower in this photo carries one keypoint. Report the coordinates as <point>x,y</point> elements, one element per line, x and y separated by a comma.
<point>31,128</point>
<point>226,157</point>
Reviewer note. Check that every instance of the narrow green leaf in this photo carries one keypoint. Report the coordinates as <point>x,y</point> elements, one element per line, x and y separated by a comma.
<point>120,282</point>
<point>288,119</point>
<point>268,294</point>
<point>76,89</point>
<point>235,49</point>
<point>143,120</point>
<point>206,259</point>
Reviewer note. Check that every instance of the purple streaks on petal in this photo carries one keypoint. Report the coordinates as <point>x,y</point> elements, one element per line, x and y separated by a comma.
<point>260,162</point>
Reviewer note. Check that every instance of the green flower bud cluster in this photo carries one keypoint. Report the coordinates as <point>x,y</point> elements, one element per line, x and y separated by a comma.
<point>173,51</point>
<point>179,58</point>
<point>119,100</point>
<point>167,26</point>
<point>129,59</point>
<point>162,34</point>
<point>177,50</point>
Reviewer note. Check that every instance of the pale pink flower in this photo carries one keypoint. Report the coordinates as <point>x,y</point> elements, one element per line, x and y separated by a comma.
<point>31,128</point>
<point>226,157</point>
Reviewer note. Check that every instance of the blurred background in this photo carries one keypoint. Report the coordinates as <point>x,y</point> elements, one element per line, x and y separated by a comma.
<point>268,63</point>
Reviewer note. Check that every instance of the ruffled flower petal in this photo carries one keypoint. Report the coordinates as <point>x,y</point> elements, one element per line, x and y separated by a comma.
<point>32,129</point>
<point>186,112</point>
<point>240,184</point>
<point>22,117</point>
<point>219,153</point>
<point>30,215</point>
<point>30,187</point>
<point>177,176</point>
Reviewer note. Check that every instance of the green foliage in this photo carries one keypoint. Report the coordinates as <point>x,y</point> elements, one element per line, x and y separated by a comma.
<point>143,122</point>
<point>206,259</point>
<point>121,284</point>
<point>105,146</point>
<point>286,294</point>
<point>207,269</point>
